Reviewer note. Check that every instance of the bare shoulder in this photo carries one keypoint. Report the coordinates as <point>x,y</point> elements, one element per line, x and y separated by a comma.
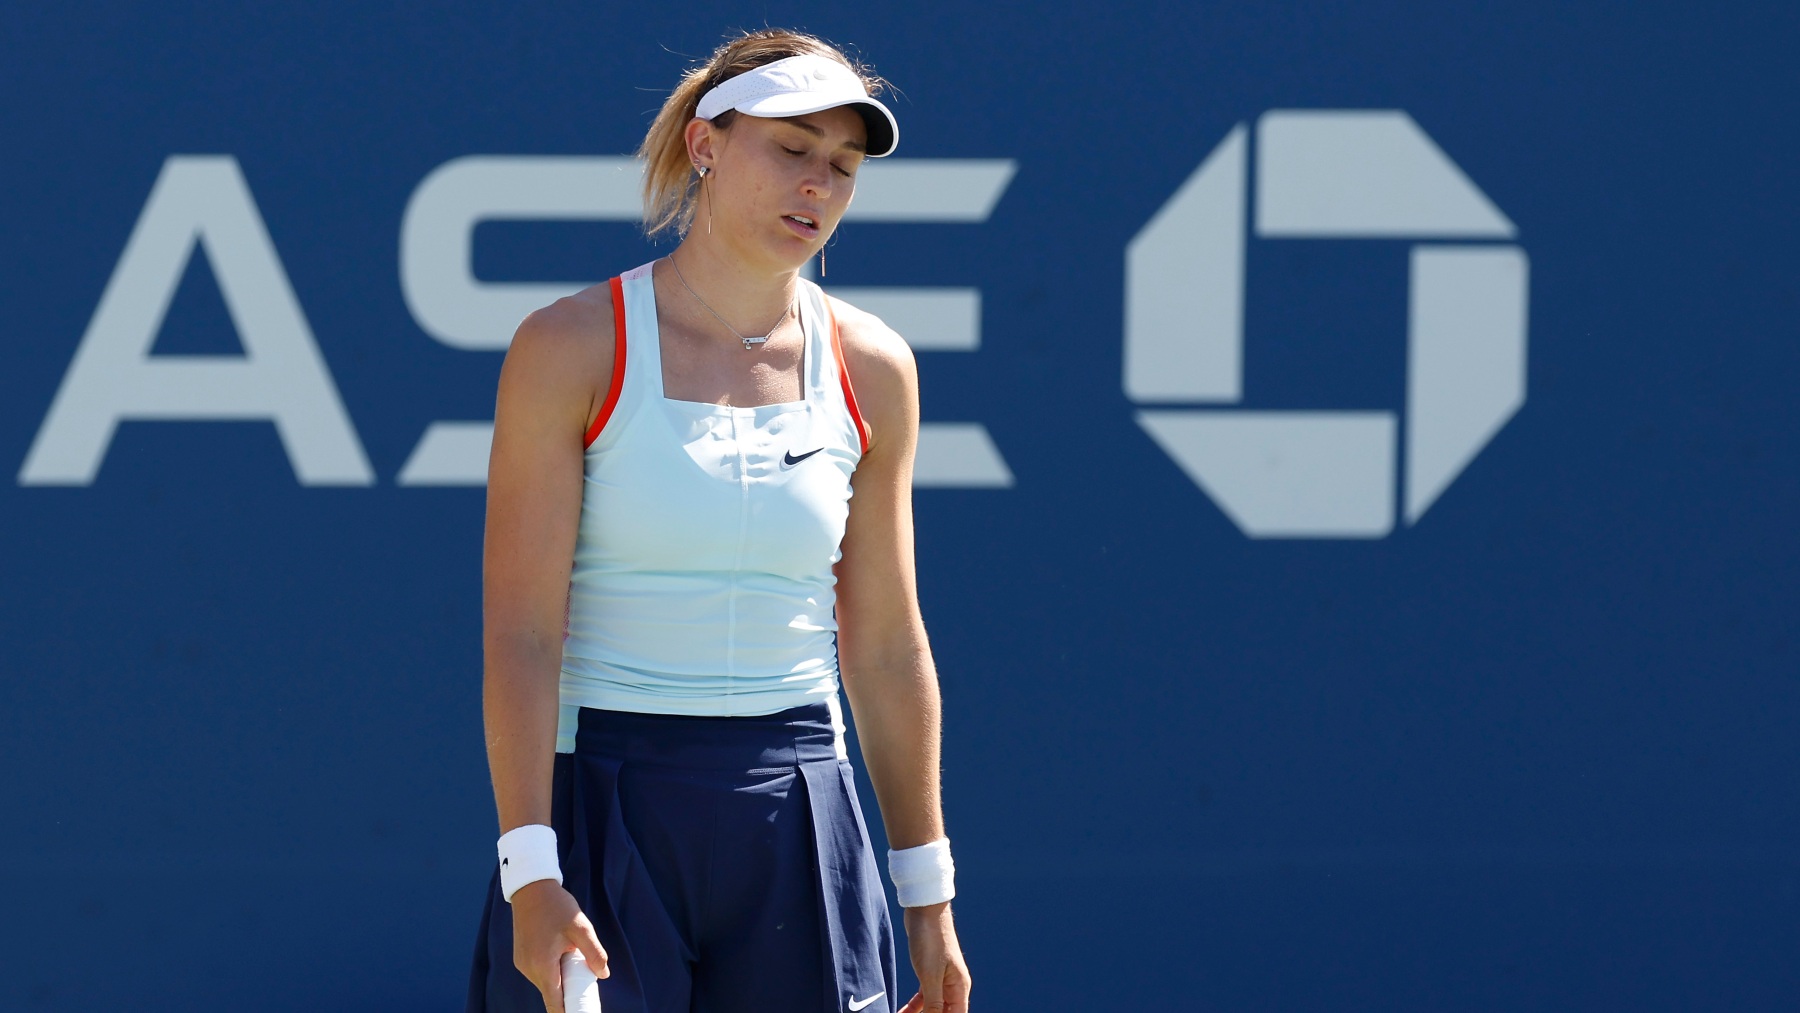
<point>564,351</point>
<point>572,329</point>
<point>881,366</point>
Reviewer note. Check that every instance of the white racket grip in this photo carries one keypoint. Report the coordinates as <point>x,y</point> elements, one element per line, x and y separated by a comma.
<point>581,990</point>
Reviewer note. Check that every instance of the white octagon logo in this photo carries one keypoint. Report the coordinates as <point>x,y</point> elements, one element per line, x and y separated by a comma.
<point>1326,174</point>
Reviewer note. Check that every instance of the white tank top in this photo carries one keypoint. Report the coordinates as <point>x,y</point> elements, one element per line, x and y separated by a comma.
<point>703,582</point>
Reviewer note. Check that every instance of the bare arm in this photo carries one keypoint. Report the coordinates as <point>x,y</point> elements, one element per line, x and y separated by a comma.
<point>533,506</point>
<point>882,649</point>
<point>560,357</point>
<point>883,653</point>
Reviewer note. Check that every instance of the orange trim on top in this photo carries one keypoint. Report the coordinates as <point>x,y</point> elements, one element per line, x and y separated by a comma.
<point>618,370</point>
<point>837,350</point>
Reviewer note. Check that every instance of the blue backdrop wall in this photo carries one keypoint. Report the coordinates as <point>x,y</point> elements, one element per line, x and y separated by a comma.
<point>1233,722</point>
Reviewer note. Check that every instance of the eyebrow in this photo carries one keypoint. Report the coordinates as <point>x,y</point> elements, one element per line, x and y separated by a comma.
<point>818,131</point>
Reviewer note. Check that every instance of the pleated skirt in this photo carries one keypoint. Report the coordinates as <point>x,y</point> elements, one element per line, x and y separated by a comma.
<point>724,863</point>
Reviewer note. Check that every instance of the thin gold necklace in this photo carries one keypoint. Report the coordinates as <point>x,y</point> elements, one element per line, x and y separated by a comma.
<point>748,342</point>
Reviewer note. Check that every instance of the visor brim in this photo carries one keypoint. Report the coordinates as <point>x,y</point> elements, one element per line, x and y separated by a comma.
<point>884,130</point>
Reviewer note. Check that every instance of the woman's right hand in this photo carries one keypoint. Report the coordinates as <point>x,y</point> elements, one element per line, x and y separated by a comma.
<point>547,923</point>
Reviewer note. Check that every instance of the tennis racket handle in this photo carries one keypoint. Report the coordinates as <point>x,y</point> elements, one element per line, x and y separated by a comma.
<point>581,990</point>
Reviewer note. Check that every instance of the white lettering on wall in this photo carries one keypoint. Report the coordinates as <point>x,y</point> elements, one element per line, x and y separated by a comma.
<point>204,202</point>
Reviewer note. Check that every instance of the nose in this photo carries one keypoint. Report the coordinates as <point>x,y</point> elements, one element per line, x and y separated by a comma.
<point>818,181</point>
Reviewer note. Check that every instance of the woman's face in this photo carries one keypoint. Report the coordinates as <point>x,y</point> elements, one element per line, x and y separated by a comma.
<point>779,186</point>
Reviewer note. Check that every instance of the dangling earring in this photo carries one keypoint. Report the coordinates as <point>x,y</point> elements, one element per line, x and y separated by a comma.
<point>705,196</point>
<point>821,262</point>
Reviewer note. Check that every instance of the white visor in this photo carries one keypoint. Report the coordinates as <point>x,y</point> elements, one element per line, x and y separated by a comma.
<point>799,85</point>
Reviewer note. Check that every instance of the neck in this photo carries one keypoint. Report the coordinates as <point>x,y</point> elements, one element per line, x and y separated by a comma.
<point>749,297</point>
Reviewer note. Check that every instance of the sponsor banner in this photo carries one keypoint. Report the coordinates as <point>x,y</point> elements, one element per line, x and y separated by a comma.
<point>1355,497</point>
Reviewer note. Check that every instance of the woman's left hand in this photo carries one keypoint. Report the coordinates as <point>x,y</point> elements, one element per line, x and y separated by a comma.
<point>938,961</point>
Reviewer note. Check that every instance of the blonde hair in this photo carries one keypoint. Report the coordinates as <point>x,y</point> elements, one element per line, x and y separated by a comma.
<point>671,187</point>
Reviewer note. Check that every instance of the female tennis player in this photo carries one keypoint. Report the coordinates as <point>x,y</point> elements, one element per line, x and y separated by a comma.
<point>697,525</point>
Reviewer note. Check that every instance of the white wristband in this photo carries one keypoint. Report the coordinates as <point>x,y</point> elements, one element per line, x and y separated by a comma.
<point>527,854</point>
<point>923,875</point>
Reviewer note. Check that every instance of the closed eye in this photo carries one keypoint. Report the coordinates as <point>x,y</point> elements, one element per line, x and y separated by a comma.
<point>840,169</point>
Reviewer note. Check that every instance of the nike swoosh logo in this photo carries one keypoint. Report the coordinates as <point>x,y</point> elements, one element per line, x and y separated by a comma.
<point>856,1004</point>
<point>790,460</point>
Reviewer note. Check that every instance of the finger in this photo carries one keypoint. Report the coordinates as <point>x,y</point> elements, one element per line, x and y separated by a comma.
<point>931,989</point>
<point>956,991</point>
<point>589,945</point>
<point>552,987</point>
<point>957,984</point>
<point>914,1005</point>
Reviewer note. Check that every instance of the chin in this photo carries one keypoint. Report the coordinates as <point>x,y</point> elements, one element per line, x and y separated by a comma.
<point>790,256</point>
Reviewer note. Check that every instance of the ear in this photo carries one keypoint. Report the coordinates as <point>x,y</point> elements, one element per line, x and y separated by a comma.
<point>703,139</point>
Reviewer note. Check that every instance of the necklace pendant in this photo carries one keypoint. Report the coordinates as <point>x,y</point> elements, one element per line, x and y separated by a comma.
<point>748,342</point>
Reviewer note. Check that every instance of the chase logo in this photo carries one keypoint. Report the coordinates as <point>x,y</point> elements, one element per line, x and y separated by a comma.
<point>1339,174</point>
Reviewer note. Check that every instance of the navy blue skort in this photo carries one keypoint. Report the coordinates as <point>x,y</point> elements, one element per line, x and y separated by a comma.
<point>725,865</point>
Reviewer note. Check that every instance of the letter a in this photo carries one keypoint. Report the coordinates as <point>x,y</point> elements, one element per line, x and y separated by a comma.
<point>281,377</point>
